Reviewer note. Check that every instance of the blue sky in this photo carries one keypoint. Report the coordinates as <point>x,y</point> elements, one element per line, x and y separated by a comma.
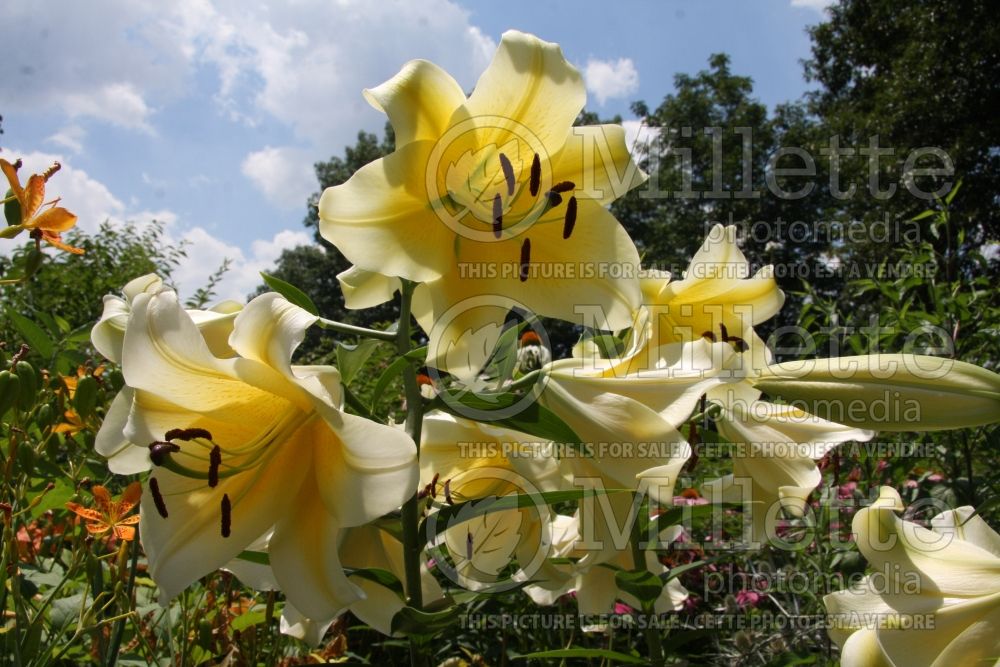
<point>209,114</point>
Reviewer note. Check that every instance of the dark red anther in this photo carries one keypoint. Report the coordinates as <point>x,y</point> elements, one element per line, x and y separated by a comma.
<point>160,450</point>
<point>154,488</point>
<point>227,515</point>
<point>525,259</point>
<point>570,220</point>
<point>214,461</point>
<point>497,216</point>
<point>508,174</point>
<point>187,434</point>
<point>535,179</point>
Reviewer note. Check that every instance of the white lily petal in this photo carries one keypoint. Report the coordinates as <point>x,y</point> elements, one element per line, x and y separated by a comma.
<point>366,289</point>
<point>366,469</point>
<point>419,101</point>
<point>124,457</point>
<point>305,557</point>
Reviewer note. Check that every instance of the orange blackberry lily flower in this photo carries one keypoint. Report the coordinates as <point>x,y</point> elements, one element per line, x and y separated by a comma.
<point>48,224</point>
<point>109,515</point>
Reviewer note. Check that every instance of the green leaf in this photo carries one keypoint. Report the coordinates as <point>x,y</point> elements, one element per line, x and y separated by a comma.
<point>254,617</point>
<point>533,419</point>
<point>954,191</point>
<point>379,576</point>
<point>410,621</point>
<point>687,567</point>
<point>679,513</point>
<point>642,584</point>
<point>351,358</point>
<point>601,653</point>
<point>290,292</point>
<point>388,375</point>
<point>505,353</point>
<point>12,208</point>
<point>33,334</point>
<point>56,498</point>
<point>259,557</point>
<point>926,214</point>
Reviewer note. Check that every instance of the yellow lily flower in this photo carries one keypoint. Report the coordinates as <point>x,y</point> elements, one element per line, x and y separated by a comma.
<point>776,446</point>
<point>360,547</point>
<point>889,392</point>
<point>252,443</point>
<point>496,194</point>
<point>628,420</point>
<point>776,449</point>
<point>596,590</point>
<point>47,224</point>
<point>108,335</point>
<point>108,338</point>
<point>936,599</point>
<point>716,297</point>
<point>463,460</point>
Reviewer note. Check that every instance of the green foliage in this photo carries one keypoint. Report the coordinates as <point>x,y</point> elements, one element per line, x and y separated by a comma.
<point>65,293</point>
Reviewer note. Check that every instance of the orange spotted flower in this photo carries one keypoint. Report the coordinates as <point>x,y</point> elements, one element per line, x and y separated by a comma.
<point>110,515</point>
<point>48,224</point>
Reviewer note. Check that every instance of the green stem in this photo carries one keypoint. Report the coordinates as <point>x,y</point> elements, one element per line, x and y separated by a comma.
<point>414,421</point>
<point>650,631</point>
<point>359,331</point>
<point>119,629</point>
<point>525,381</point>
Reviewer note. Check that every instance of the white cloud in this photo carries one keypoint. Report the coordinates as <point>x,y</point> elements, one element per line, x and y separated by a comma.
<point>284,175</point>
<point>93,203</point>
<point>303,63</point>
<point>206,252</point>
<point>94,60</point>
<point>608,79</point>
<point>117,103</point>
<point>307,66</point>
<point>816,5</point>
<point>70,137</point>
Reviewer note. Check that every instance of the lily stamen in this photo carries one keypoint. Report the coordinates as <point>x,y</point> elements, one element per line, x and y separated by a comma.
<point>227,515</point>
<point>535,180</point>
<point>497,215</point>
<point>154,488</point>
<point>47,174</point>
<point>159,451</point>
<point>570,220</point>
<point>215,460</point>
<point>508,174</point>
<point>187,434</point>
<point>525,259</point>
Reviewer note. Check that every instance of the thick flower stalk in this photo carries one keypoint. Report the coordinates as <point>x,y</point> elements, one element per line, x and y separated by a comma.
<point>936,599</point>
<point>490,201</point>
<point>250,444</point>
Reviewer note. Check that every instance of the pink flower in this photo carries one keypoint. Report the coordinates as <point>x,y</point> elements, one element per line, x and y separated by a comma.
<point>748,598</point>
<point>622,609</point>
